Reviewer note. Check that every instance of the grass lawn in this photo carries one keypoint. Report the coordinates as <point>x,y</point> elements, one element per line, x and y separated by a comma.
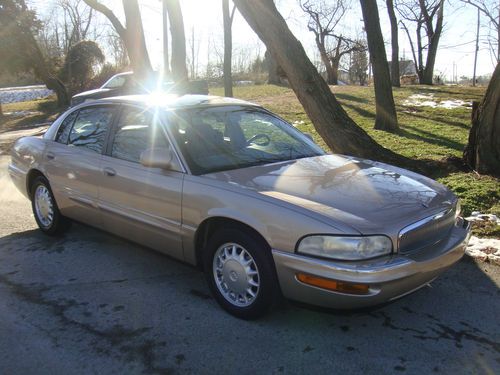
<point>426,132</point>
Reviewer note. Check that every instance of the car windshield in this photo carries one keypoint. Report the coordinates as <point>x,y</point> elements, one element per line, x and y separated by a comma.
<point>115,82</point>
<point>222,138</point>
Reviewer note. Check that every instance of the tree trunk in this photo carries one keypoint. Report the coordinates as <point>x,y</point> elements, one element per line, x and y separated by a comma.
<point>178,63</point>
<point>395,75</point>
<point>334,79</point>
<point>228,49</point>
<point>41,69</point>
<point>135,41</point>
<point>333,124</point>
<point>272,66</point>
<point>433,39</point>
<point>482,152</point>
<point>386,118</point>
<point>320,43</point>
<point>166,61</point>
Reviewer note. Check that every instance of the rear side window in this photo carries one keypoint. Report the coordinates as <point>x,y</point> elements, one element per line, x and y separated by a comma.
<point>90,128</point>
<point>136,132</point>
<point>64,129</point>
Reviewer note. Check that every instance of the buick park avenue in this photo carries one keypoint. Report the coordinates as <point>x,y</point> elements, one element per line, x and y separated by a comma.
<point>234,189</point>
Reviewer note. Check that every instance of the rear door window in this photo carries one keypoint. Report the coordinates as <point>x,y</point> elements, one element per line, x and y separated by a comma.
<point>90,127</point>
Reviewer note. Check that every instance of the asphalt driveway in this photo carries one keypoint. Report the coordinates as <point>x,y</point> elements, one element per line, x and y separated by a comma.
<point>92,303</point>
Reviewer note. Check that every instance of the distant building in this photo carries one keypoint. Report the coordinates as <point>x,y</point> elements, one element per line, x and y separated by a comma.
<point>406,67</point>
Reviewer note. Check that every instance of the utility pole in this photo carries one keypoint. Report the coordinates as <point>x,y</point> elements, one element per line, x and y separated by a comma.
<point>166,63</point>
<point>477,47</point>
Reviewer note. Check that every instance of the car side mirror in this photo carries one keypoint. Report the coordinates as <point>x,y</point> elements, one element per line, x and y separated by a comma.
<point>157,157</point>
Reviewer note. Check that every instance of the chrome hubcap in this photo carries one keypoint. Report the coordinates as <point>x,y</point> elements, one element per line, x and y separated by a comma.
<point>44,206</point>
<point>236,274</point>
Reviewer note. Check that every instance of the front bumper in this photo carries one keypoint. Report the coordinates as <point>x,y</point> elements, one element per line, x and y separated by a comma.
<point>388,277</point>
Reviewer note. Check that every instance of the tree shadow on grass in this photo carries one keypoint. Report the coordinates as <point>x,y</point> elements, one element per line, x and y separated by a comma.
<point>359,110</point>
<point>351,98</point>
<point>429,137</point>
<point>457,124</point>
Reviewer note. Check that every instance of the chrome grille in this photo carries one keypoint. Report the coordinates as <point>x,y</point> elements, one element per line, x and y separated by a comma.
<point>426,232</point>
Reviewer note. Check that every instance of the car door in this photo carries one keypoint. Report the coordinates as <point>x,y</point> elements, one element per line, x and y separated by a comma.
<point>73,161</point>
<point>137,202</point>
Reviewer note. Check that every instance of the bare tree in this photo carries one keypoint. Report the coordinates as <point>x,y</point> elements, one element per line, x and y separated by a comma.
<point>324,19</point>
<point>194,50</point>
<point>491,9</point>
<point>77,21</point>
<point>386,118</point>
<point>132,35</point>
<point>395,75</point>
<point>483,149</point>
<point>228,17</point>
<point>178,60</point>
<point>427,18</point>
<point>166,61</point>
<point>358,66</point>
<point>333,124</point>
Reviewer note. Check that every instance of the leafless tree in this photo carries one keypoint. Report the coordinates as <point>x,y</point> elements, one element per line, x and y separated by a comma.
<point>483,149</point>
<point>331,121</point>
<point>228,17</point>
<point>427,18</point>
<point>194,50</point>
<point>178,37</point>
<point>324,20</point>
<point>132,35</point>
<point>358,66</point>
<point>386,118</point>
<point>490,9</point>
<point>395,75</point>
<point>77,21</point>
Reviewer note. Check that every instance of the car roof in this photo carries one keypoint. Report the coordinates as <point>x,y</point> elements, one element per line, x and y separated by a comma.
<point>172,101</point>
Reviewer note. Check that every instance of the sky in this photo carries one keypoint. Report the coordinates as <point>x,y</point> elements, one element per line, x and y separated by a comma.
<point>203,19</point>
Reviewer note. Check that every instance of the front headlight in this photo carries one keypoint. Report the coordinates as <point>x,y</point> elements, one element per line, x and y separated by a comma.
<point>345,248</point>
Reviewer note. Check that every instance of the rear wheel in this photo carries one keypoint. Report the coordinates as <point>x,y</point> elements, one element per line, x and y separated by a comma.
<point>47,215</point>
<point>240,272</point>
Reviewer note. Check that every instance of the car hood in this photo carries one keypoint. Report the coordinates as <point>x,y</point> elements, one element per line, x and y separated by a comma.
<point>369,196</point>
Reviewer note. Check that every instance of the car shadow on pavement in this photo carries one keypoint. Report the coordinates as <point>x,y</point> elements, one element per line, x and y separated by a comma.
<point>130,306</point>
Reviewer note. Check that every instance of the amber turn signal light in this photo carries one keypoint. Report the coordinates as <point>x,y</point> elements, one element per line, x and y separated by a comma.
<point>336,286</point>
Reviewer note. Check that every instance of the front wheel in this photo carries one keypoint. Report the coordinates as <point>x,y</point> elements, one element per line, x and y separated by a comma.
<point>240,273</point>
<point>45,209</point>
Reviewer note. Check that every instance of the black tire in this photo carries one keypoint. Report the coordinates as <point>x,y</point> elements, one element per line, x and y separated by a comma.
<point>58,223</point>
<point>268,291</point>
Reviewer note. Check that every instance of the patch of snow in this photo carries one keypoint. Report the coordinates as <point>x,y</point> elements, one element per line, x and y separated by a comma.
<point>297,123</point>
<point>451,104</point>
<point>22,94</point>
<point>485,249</point>
<point>427,100</point>
<point>21,113</point>
<point>477,217</point>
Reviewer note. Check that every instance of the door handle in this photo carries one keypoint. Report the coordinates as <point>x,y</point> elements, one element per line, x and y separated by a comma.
<point>50,156</point>
<point>109,171</point>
